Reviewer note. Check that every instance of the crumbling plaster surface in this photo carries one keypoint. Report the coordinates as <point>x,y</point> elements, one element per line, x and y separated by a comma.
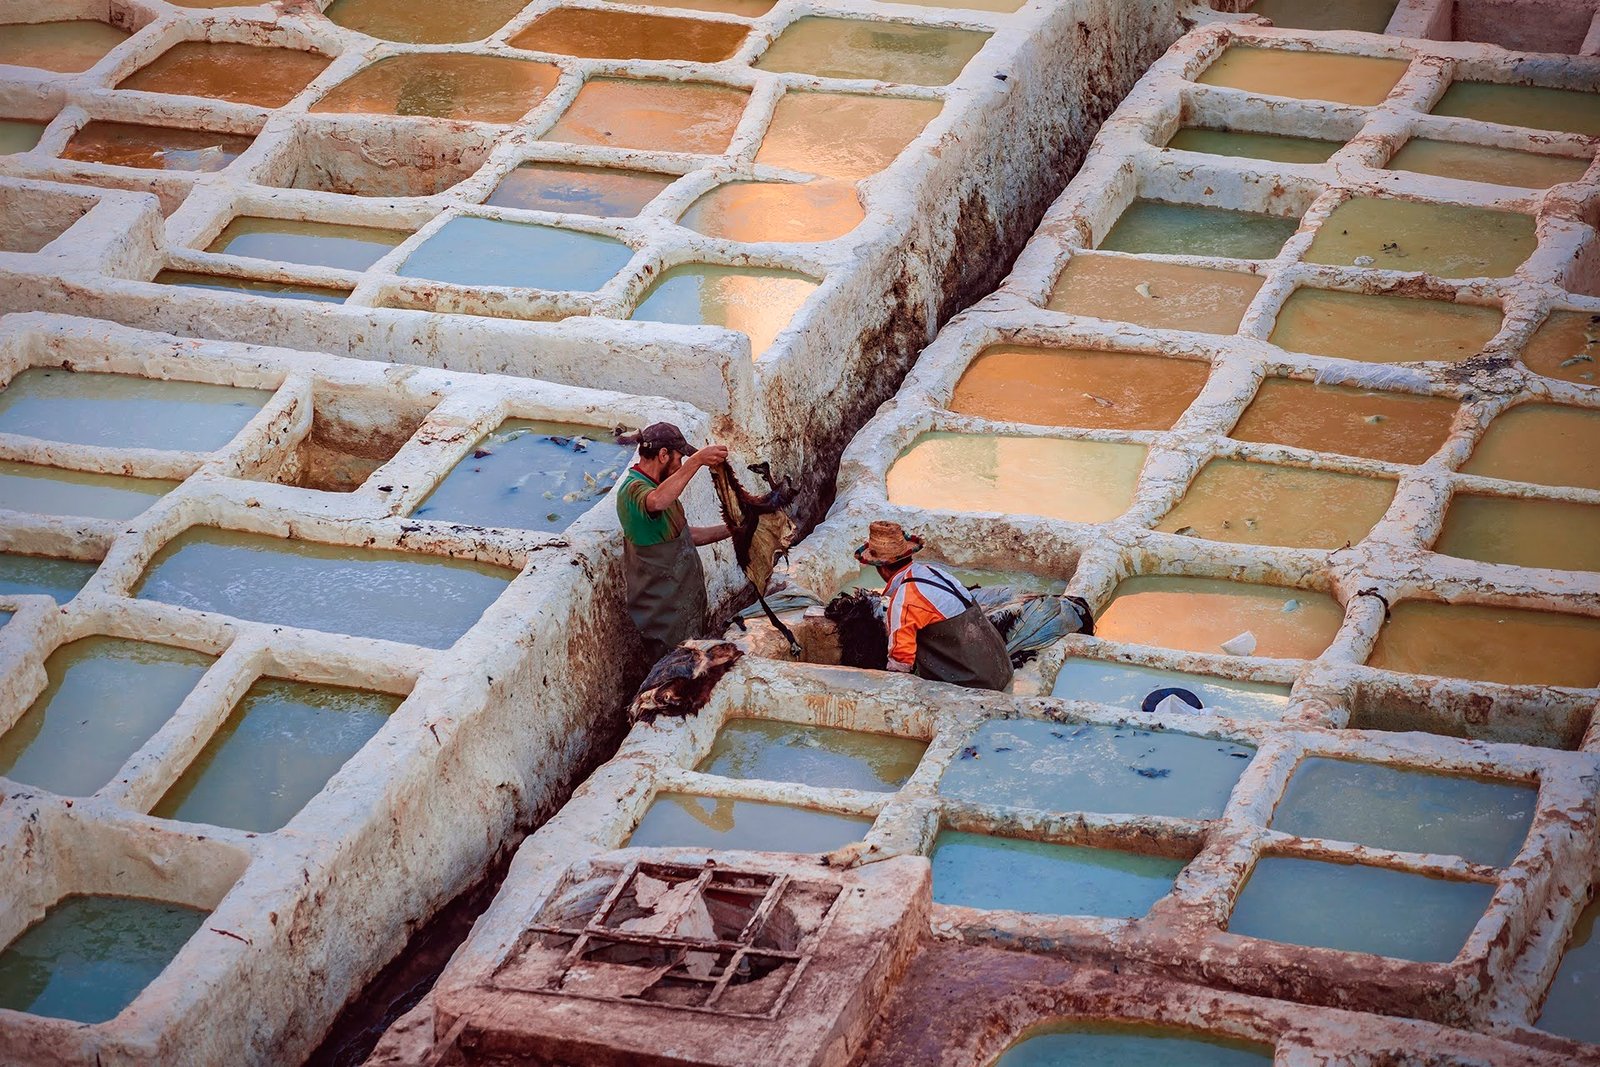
<point>942,222</point>
<point>962,1003</point>
<point>1178,964</point>
<point>1569,26</point>
<point>1492,987</point>
<point>489,736</point>
<point>334,850</point>
<point>1394,560</point>
<point>493,729</point>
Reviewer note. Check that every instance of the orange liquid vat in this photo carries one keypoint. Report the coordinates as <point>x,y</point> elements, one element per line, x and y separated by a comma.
<point>1181,297</point>
<point>1078,387</point>
<point>1547,444</point>
<point>1392,427</point>
<point>1079,481</point>
<point>443,85</point>
<point>239,73</point>
<point>601,34</point>
<point>1271,504</point>
<point>1566,346</point>
<point>1382,329</point>
<point>656,115</point>
<point>70,46</point>
<point>1489,644</point>
<point>818,210</point>
<point>841,135</point>
<point>127,144</point>
<point>422,21</point>
<point>1199,614</point>
<point>1362,80</point>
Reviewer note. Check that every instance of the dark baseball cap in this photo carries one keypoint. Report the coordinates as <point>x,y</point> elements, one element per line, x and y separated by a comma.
<point>665,435</point>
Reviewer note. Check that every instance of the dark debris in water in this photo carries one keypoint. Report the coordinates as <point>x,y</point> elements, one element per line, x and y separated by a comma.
<point>1151,772</point>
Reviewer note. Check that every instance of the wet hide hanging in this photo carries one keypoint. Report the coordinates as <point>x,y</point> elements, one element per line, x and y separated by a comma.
<point>760,529</point>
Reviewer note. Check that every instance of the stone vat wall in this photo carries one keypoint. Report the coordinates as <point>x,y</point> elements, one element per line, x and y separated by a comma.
<point>983,976</point>
<point>313,910</point>
<point>489,736</point>
<point>942,222</point>
<point>1177,965</point>
<point>95,253</point>
<point>1395,560</point>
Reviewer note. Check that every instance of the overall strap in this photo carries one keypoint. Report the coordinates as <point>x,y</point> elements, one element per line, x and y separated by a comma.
<point>935,579</point>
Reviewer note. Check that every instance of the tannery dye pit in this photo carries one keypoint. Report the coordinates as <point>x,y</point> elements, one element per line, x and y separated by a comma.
<point>1225,371</point>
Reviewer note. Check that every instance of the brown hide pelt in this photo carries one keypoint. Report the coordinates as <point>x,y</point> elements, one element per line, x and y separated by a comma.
<point>762,531</point>
<point>681,681</point>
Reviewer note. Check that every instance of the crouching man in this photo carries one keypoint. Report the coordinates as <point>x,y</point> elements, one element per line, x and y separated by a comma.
<point>936,631</point>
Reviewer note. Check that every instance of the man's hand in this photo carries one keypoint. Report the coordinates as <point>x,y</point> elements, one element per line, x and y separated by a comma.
<point>711,456</point>
<point>666,494</point>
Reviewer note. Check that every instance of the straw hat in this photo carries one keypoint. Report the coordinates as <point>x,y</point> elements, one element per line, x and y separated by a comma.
<point>887,543</point>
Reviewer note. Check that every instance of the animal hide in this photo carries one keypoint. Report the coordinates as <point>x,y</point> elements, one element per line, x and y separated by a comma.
<point>863,639</point>
<point>1031,621</point>
<point>681,681</point>
<point>761,530</point>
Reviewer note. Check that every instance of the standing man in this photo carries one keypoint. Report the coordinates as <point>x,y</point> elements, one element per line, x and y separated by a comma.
<point>666,585</point>
<point>936,630</point>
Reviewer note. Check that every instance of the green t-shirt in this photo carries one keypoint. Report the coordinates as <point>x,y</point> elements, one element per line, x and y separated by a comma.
<point>638,524</point>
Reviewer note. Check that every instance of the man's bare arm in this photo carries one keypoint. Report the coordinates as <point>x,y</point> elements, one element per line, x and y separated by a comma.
<point>666,494</point>
<point>708,535</point>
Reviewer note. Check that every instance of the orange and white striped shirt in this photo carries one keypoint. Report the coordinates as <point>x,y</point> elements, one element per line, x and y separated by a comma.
<point>920,595</point>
